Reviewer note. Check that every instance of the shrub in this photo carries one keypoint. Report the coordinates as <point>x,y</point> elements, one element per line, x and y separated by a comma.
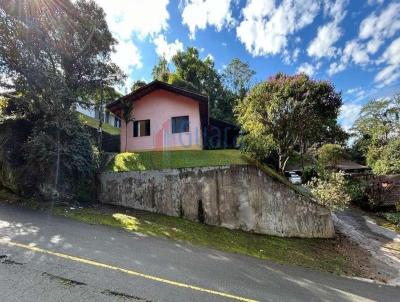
<point>308,174</point>
<point>77,164</point>
<point>392,217</point>
<point>356,190</point>
<point>331,191</point>
<point>330,154</point>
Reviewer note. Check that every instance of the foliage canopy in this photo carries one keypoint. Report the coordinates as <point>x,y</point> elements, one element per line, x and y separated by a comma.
<point>288,111</point>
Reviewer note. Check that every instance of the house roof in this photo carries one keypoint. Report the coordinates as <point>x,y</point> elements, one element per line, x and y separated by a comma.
<point>349,165</point>
<point>115,106</point>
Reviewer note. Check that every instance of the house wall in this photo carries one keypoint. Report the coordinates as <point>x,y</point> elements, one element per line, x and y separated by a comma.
<point>159,107</point>
<point>236,197</point>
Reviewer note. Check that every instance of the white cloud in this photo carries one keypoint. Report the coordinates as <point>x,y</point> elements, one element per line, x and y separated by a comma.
<point>336,68</point>
<point>266,27</point>
<point>127,56</point>
<point>328,34</point>
<point>391,57</point>
<point>306,68</point>
<point>322,45</point>
<point>165,49</point>
<point>355,52</point>
<point>291,57</point>
<point>381,26</point>
<point>335,9</point>
<point>375,2</point>
<point>198,14</point>
<point>373,32</point>
<point>127,19</point>
<point>357,94</point>
<point>143,18</point>
<point>348,115</point>
<point>373,45</point>
<point>353,90</point>
<point>210,57</point>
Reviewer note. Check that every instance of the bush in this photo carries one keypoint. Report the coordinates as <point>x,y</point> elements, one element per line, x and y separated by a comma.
<point>330,154</point>
<point>387,158</point>
<point>308,174</point>
<point>331,191</point>
<point>392,217</point>
<point>356,190</point>
<point>77,164</point>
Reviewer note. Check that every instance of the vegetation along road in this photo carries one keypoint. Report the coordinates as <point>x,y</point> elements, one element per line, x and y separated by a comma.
<point>51,258</point>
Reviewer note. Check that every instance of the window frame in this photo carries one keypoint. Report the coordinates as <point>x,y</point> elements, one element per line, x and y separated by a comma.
<point>174,128</point>
<point>139,126</point>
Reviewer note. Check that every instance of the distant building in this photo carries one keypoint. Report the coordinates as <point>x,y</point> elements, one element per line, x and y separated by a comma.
<point>108,117</point>
<point>350,167</point>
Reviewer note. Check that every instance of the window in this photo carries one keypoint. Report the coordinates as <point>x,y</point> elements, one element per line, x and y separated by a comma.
<point>180,124</point>
<point>141,128</point>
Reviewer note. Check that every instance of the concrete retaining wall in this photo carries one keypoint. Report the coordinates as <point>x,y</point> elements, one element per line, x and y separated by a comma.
<point>236,197</point>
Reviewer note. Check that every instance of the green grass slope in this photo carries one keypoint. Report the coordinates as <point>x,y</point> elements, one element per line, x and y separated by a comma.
<point>157,160</point>
<point>91,122</point>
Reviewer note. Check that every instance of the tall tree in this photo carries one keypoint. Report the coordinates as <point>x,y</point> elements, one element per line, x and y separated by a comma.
<point>238,77</point>
<point>277,115</point>
<point>137,84</point>
<point>127,117</point>
<point>161,70</point>
<point>102,96</point>
<point>375,130</point>
<point>203,76</point>
<point>57,54</point>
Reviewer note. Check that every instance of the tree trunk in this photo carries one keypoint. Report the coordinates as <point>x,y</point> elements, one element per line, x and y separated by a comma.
<point>126,136</point>
<point>282,163</point>
<point>301,155</point>
<point>58,158</point>
<point>100,130</point>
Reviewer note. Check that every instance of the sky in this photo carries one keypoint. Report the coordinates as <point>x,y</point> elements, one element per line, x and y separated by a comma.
<point>355,44</point>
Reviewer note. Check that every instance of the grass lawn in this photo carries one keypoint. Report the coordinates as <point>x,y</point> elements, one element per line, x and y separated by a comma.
<point>320,254</point>
<point>87,120</point>
<point>154,160</point>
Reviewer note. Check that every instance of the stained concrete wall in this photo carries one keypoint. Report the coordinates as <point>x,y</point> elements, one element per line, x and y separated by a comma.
<point>236,197</point>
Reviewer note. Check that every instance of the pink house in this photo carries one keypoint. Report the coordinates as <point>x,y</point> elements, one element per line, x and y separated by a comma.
<point>167,117</point>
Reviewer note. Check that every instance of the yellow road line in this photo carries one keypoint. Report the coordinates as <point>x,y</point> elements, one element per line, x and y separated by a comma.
<point>126,271</point>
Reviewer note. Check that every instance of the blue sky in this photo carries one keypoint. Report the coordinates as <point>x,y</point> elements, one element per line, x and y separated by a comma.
<point>354,44</point>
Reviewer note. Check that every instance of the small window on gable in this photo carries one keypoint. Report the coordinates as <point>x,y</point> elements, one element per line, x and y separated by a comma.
<point>180,124</point>
<point>141,128</point>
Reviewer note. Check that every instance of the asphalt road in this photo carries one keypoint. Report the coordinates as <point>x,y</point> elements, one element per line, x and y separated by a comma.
<point>50,258</point>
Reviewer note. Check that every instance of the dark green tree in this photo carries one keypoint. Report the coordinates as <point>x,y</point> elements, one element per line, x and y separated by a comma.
<point>238,77</point>
<point>137,84</point>
<point>161,70</point>
<point>57,55</point>
<point>283,112</point>
<point>204,78</point>
<point>375,130</point>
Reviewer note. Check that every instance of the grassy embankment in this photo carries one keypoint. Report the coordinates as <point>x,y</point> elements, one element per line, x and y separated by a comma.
<point>87,120</point>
